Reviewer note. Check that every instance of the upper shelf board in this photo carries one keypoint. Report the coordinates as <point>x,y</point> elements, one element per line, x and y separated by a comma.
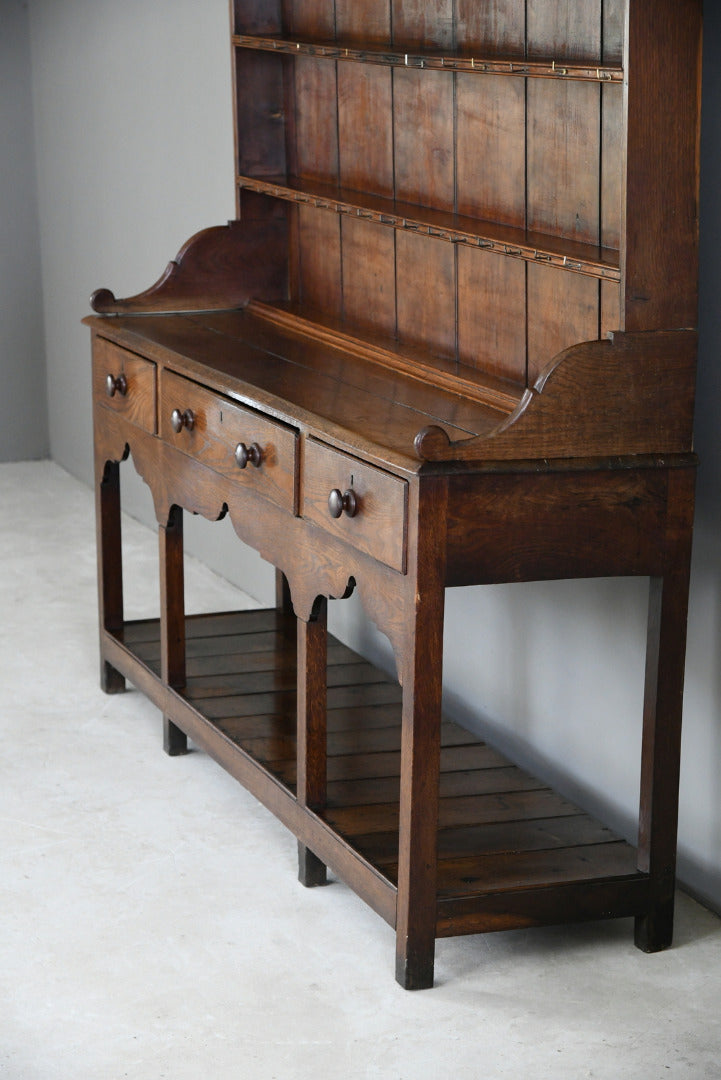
<point>580,258</point>
<point>391,56</point>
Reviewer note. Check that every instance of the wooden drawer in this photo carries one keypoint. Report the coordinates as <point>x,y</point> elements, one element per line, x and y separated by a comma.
<point>214,427</point>
<point>133,383</point>
<point>377,523</point>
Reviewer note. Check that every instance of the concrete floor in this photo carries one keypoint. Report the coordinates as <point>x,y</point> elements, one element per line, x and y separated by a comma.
<point>153,926</point>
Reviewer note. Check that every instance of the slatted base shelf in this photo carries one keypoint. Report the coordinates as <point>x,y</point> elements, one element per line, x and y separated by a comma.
<point>511,851</point>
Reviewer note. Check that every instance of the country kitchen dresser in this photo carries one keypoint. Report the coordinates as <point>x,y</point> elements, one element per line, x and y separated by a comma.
<point>448,340</point>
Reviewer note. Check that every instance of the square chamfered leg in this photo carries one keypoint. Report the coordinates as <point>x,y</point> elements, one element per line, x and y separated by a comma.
<point>312,652</point>
<point>422,680</point>
<point>110,567</point>
<point>172,621</point>
<point>663,704</point>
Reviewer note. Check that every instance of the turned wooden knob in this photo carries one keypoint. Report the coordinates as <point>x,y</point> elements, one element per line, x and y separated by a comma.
<point>180,420</point>
<point>245,454</point>
<point>342,502</point>
<point>116,385</point>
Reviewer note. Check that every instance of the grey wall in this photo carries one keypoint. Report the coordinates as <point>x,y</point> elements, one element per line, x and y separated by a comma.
<point>134,149</point>
<point>23,411</point>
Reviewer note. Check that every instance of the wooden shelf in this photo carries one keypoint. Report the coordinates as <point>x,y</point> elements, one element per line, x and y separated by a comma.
<point>500,830</point>
<point>586,259</point>
<point>395,56</point>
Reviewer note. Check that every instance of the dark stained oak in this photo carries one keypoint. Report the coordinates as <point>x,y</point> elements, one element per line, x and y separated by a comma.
<point>449,339</point>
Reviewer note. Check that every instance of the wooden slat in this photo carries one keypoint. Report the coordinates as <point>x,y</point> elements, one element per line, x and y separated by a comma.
<point>369,275</point>
<point>252,704</point>
<point>497,26</point>
<point>424,172</point>
<point>241,728</point>
<point>365,128</point>
<point>426,273</point>
<point>312,17</point>
<point>491,149</point>
<point>455,811</point>
<point>362,22</point>
<point>614,12</point>
<point>564,157</point>
<point>459,877</point>
<point>611,165</point>
<point>259,93</point>
<point>549,834</point>
<point>467,782</point>
<point>416,22</point>
<point>566,29</point>
<point>492,333</point>
<point>319,260</point>
<point>563,310</point>
<point>219,624</point>
<point>355,767</point>
<point>224,653</point>
<point>257,16</point>
<point>316,120</point>
<point>610,308</point>
<point>280,676</point>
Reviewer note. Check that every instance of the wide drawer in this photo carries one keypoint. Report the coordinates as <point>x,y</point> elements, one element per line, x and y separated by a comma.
<point>372,503</point>
<point>125,383</point>
<point>240,443</point>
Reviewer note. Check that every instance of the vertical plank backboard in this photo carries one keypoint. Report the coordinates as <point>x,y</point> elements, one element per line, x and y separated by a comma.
<point>424,165</point>
<point>369,22</point>
<point>491,148</point>
<point>319,260</point>
<point>426,279</point>
<point>612,159</point>
<point>259,105</point>
<point>494,28</point>
<point>316,119</point>
<point>365,128</point>
<point>257,16</point>
<point>418,23</point>
<point>563,310</point>
<point>311,18</point>
<point>610,308</point>
<point>369,298</point>
<point>614,15</point>
<point>492,312</point>
<point>564,29</point>
<point>564,158</point>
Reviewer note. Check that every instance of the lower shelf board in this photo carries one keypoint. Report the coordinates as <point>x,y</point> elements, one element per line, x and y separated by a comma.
<point>511,852</point>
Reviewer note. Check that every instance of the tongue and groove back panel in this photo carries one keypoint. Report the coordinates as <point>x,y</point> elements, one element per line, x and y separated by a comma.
<point>491,181</point>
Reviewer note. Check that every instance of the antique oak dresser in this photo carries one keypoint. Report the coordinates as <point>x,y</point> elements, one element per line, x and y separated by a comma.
<point>448,340</point>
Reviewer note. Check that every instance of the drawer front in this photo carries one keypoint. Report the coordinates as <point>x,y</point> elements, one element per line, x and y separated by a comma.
<point>125,383</point>
<point>215,427</point>
<point>372,503</point>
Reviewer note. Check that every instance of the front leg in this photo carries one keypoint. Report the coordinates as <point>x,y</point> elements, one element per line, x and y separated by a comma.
<point>312,729</point>
<point>663,703</point>
<point>172,621</point>
<point>110,566</point>
<point>422,677</point>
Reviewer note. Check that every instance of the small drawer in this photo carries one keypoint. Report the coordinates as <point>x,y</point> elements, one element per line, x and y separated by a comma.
<point>125,383</point>
<point>237,442</point>
<point>358,503</point>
